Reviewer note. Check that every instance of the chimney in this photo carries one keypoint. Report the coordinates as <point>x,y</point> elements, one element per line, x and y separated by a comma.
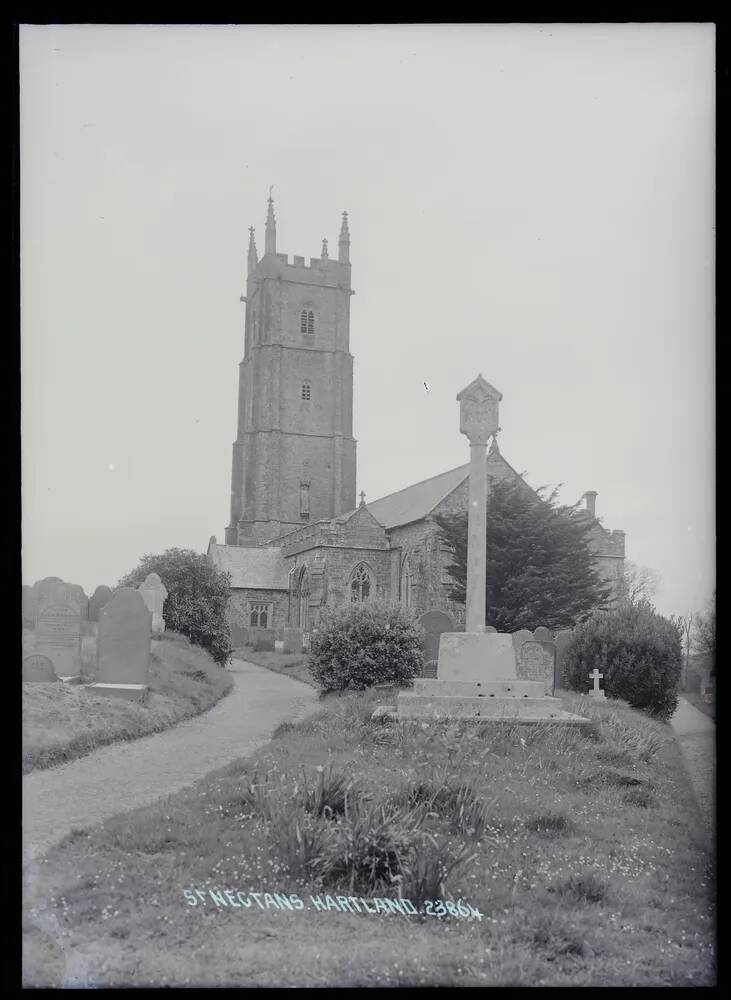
<point>590,497</point>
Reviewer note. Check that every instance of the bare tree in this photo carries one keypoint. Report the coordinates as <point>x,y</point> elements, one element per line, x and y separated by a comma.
<point>637,583</point>
<point>685,625</point>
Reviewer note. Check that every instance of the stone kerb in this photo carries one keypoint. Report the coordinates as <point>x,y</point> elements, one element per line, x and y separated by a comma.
<point>58,632</point>
<point>123,646</point>
<point>38,669</point>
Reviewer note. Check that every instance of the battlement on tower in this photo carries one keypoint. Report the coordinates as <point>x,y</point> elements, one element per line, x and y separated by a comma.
<point>317,272</point>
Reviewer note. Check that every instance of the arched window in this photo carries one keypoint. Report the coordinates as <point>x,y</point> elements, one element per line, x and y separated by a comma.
<point>360,583</point>
<point>303,616</point>
<point>307,322</point>
<point>405,593</point>
<point>306,390</point>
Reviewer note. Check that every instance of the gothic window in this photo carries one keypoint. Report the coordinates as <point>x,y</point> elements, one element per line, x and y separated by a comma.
<point>305,501</point>
<point>405,595</point>
<point>260,615</point>
<point>307,322</point>
<point>360,583</point>
<point>306,390</point>
<point>304,601</point>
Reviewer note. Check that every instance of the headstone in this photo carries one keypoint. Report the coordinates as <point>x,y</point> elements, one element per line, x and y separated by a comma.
<point>595,676</point>
<point>153,594</point>
<point>305,642</point>
<point>543,634</point>
<point>101,597</point>
<point>123,646</point>
<point>29,606</point>
<point>239,635</point>
<point>262,639</point>
<point>563,641</point>
<point>58,635</point>
<point>536,663</point>
<point>38,669</point>
<point>434,623</point>
<point>523,635</point>
<point>490,628</point>
<point>76,593</point>
<point>45,589</point>
<point>292,640</point>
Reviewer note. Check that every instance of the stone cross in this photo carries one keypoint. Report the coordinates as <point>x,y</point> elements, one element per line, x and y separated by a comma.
<point>596,677</point>
<point>478,420</point>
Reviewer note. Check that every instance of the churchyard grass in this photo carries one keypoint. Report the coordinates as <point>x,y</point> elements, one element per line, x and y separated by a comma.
<point>290,664</point>
<point>580,848</point>
<point>64,721</point>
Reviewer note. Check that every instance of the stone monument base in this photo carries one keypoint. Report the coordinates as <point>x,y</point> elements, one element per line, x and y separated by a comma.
<point>475,656</point>
<point>70,678</point>
<point>483,701</point>
<point>130,692</point>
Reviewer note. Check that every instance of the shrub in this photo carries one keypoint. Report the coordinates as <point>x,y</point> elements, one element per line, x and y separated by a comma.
<point>197,597</point>
<point>363,644</point>
<point>637,650</point>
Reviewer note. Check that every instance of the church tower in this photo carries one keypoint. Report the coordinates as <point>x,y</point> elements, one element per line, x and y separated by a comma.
<point>294,454</point>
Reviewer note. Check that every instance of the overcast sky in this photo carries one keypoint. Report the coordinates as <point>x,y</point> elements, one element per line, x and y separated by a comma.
<point>533,202</point>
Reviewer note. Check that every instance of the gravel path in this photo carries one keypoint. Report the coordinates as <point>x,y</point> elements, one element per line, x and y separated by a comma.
<point>696,734</point>
<point>124,776</point>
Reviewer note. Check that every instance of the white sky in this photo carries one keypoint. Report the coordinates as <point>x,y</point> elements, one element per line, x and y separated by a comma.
<point>535,202</point>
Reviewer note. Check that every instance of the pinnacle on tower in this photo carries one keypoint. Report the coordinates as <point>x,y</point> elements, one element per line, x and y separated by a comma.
<point>253,259</point>
<point>344,241</point>
<point>270,239</point>
<point>323,255</point>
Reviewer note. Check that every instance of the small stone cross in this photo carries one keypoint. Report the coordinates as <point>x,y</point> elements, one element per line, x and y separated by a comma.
<point>596,677</point>
<point>362,498</point>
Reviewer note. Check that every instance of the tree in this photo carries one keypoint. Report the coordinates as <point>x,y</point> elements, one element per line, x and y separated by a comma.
<point>706,632</point>
<point>197,597</point>
<point>540,568</point>
<point>684,624</point>
<point>637,583</point>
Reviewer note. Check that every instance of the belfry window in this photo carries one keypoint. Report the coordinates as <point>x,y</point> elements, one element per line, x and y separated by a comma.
<point>307,322</point>
<point>360,583</point>
<point>306,390</point>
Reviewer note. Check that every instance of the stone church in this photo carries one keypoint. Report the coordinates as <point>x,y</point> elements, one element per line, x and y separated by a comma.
<point>297,541</point>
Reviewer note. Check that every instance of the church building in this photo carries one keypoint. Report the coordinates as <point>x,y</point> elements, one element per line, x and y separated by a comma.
<point>297,542</point>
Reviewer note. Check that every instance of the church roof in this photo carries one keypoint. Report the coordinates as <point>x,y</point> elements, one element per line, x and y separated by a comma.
<point>253,568</point>
<point>416,502</point>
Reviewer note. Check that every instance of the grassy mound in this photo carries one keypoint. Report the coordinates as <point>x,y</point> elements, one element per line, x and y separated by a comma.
<point>528,853</point>
<point>63,721</point>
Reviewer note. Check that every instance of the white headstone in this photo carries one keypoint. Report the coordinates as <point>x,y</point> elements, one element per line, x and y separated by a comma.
<point>153,593</point>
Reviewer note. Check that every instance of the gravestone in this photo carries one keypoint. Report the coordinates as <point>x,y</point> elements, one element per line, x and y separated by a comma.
<point>536,663</point>
<point>543,634</point>
<point>490,628</point>
<point>123,647</point>
<point>45,589</point>
<point>292,640</point>
<point>262,639</point>
<point>38,669</point>
<point>519,637</point>
<point>29,606</point>
<point>99,599</point>
<point>58,635</point>
<point>596,691</point>
<point>154,594</point>
<point>76,593</point>
<point>239,635</point>
<point>562,641</point>
<point>434,623</point>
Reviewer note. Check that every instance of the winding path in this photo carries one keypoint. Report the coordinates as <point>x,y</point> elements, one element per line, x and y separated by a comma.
<point>123,776</point>
<point>696,734</point>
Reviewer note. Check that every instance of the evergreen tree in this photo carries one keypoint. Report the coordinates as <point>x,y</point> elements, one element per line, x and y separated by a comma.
<point>540,568</point>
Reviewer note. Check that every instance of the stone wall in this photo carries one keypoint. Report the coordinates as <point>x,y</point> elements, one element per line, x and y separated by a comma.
<point>237,609</point>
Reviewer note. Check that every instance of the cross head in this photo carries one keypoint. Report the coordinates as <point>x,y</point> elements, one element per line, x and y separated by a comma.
<point>596,677</point>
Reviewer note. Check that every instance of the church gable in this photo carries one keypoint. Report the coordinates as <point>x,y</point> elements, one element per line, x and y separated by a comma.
<point>360,529</point>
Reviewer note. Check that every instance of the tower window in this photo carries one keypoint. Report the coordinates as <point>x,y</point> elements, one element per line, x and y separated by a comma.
<point>307,322</point>
<point>306,390</point>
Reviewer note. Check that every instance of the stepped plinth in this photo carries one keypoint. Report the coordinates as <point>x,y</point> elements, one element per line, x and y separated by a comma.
<point>477,681</point>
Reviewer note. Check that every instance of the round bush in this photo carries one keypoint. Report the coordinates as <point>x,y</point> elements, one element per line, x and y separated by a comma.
<point>636,649</point>
<point>363,644</point>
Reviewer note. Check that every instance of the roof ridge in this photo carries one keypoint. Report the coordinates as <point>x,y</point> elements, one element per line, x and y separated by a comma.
<point>421,482</point>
